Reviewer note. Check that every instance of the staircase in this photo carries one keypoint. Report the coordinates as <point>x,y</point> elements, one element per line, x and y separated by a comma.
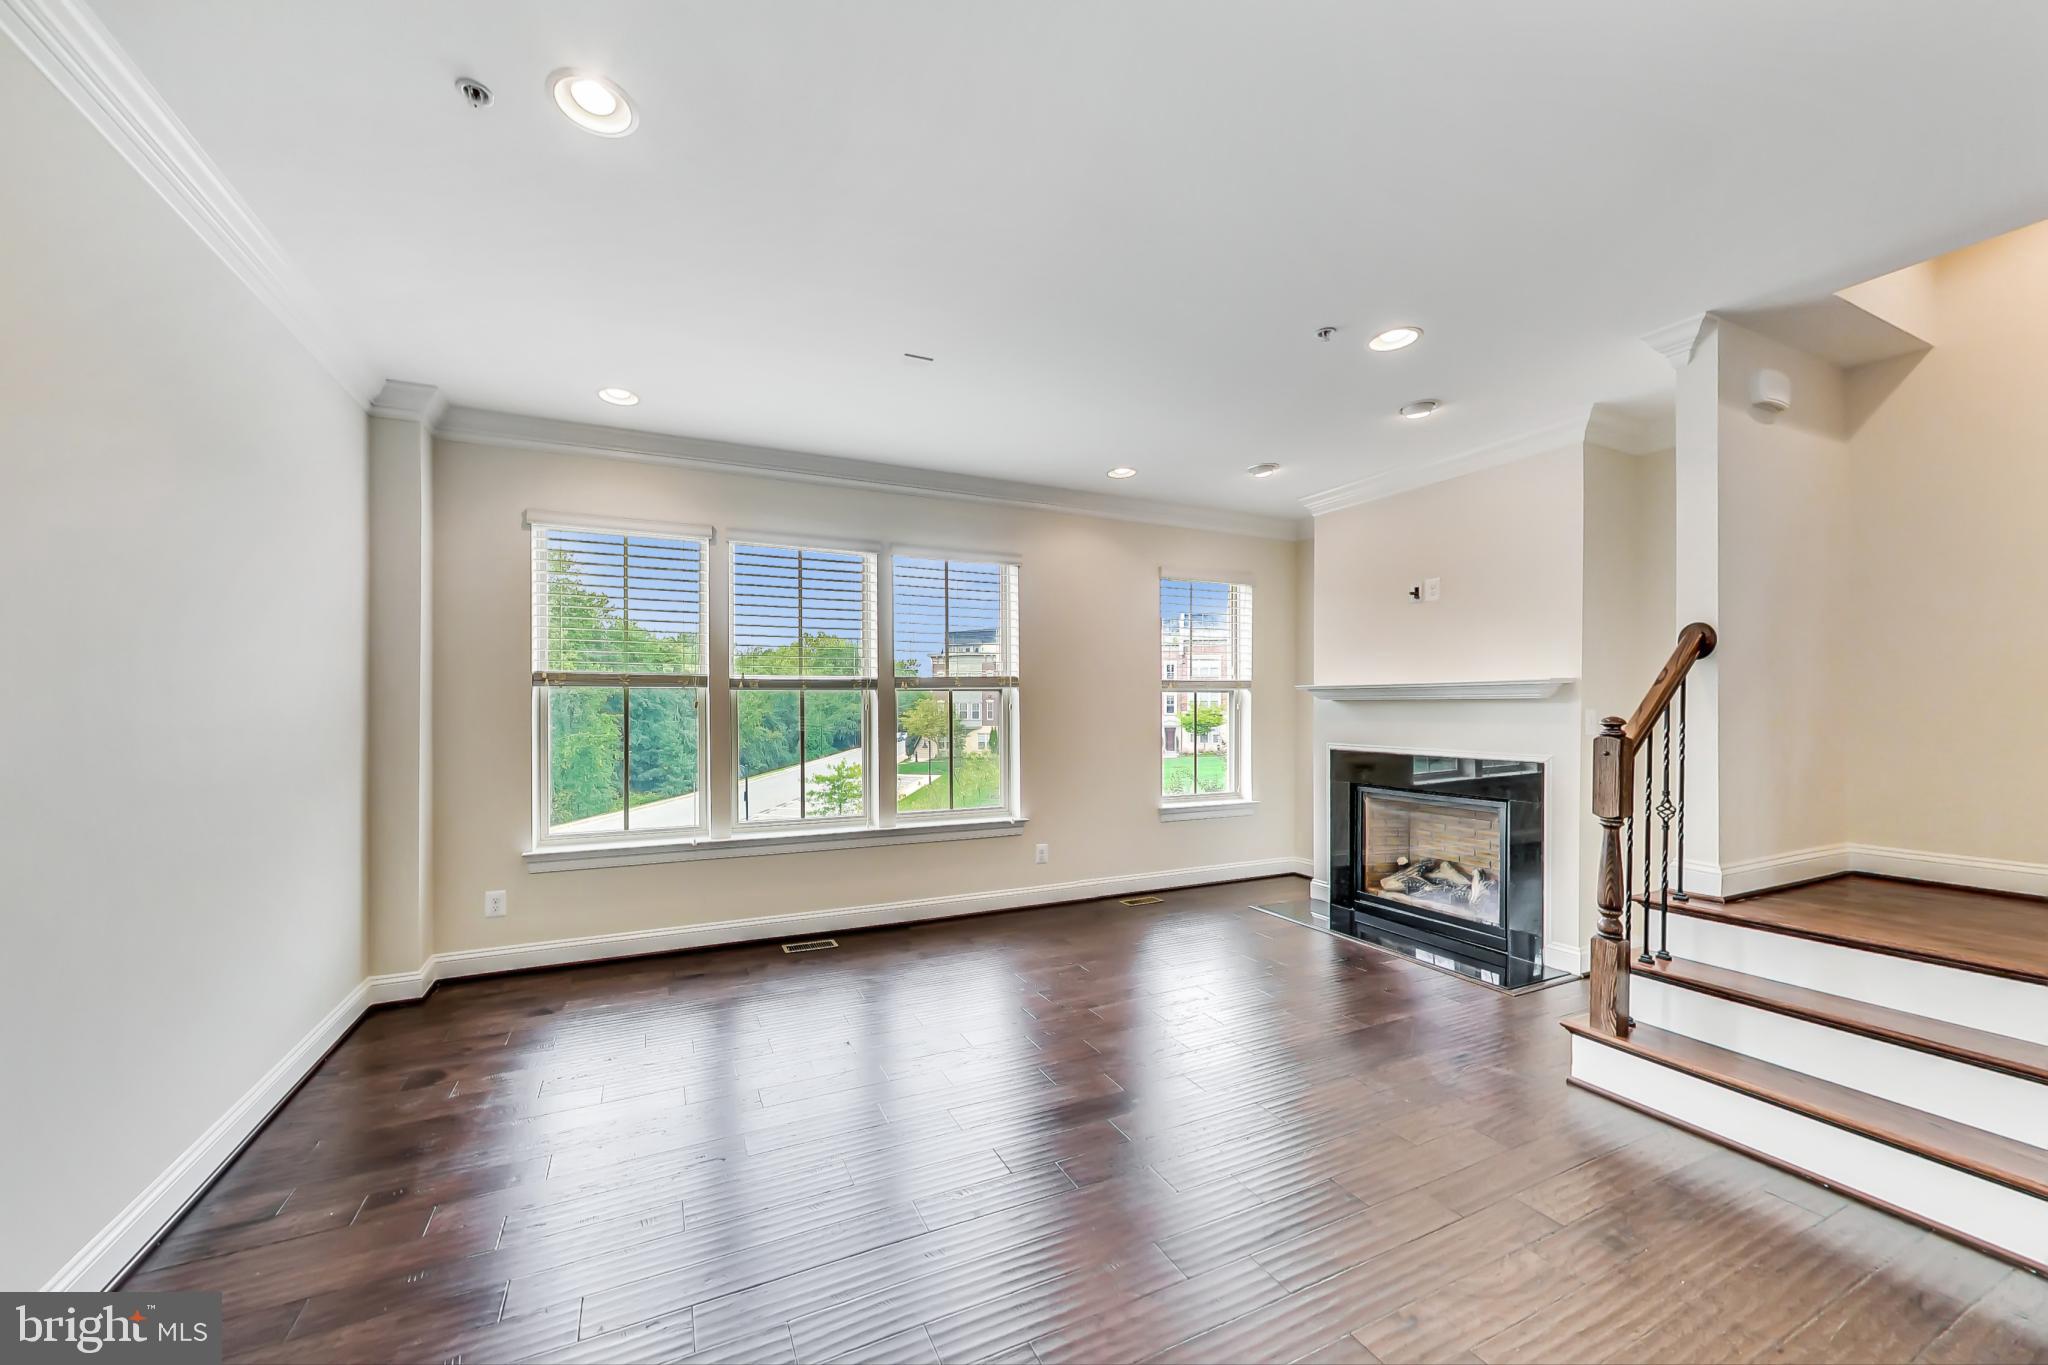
<point>1910,1073</point>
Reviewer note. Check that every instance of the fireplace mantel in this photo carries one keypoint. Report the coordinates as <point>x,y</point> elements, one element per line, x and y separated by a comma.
<point>1496,689</point>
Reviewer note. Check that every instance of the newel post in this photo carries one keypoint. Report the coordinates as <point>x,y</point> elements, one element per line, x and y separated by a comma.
<point>1608,999</point>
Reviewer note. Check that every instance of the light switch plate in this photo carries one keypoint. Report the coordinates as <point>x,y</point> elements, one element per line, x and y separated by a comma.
<point>1432,589</point>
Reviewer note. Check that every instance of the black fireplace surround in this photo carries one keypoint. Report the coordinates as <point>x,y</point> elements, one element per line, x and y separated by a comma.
<point>1504,794</point>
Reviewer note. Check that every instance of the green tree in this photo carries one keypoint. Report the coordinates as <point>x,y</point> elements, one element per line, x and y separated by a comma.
<point>1201,718</point>
<point>928,721</point>
<point>838,790</point>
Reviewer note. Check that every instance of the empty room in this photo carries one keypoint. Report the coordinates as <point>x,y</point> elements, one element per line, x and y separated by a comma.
<point>1075,681</point>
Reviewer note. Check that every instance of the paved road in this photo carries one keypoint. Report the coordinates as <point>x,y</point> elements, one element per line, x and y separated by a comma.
<point>768,796</point>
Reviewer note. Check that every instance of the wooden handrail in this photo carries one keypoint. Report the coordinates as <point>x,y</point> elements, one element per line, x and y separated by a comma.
<point>1695,642</point>
<point>1614,751</point>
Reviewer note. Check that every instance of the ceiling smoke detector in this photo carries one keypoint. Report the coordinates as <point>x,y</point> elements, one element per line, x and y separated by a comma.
<point>474,92</point>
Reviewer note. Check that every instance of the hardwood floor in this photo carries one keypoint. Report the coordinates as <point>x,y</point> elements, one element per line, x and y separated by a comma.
<point>1184,1132</point>
<point>1977,929</point>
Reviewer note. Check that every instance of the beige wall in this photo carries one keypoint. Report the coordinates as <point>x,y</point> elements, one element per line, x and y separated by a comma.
<point>1508,544</point>
<point>1784,549</point>
<point>1505,542</point>
<point>1089,733</point>
<point>181,828</point>
<point>1629,605</point>
<point>1945,609</point>
<point>397,929</point>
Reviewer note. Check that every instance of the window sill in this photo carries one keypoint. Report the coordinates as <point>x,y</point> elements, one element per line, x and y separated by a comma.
<point>572,858</point>
<point>1169,812</point>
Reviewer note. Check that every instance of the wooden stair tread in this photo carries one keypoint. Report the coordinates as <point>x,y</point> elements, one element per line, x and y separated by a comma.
<point>1990,1155</point>
<point>1975,931</point>
<point>1974,1047</point>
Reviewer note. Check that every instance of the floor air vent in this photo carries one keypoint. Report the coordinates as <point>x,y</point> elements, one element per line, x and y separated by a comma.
<point>1141,900</point>
<point>810,945</point>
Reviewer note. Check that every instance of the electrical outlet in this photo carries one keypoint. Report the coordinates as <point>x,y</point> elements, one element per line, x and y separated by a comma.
<point>494,905</point>
<point>1432,589</point>
<point>1044,854</point>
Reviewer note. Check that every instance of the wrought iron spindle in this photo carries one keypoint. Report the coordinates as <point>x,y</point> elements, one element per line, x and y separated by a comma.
<point>1646,959</point>
<point>1628,877</point>
<point>1679,892</point>
<point>1665,810</point>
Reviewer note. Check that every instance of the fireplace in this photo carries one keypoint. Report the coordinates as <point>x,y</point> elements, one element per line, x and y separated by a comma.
<point>1444,853</point>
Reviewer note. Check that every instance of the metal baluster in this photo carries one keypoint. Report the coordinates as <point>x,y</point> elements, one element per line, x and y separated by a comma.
<point>1628,877</point>
<point>1680,891</point>
<point>1665,810</point>
<point>1646,959</point>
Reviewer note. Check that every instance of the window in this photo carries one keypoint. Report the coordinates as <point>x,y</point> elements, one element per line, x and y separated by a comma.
<point>803,677</point>
<point>953,621</point>
<point>618,682</point>
<point>1205,636</point>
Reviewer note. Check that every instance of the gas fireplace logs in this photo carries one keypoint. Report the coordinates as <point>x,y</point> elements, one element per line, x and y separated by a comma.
<point>1440,879</point>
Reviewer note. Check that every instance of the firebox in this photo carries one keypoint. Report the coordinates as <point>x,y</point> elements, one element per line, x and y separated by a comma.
<point>1443,852</point>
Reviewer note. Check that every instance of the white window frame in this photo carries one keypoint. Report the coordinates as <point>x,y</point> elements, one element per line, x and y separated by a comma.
<point>1008,688</point>
<point>866,683</point>
<point>545,680</point>
<point>1237,689</point>
<point>719,832</point>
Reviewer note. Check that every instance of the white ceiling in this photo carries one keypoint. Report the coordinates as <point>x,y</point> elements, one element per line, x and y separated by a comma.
<point>1116,226</point>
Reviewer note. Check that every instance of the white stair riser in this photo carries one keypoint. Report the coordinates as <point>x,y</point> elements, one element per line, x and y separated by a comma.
<point>1968,1204</point>
<point>1992,1100</point>
<point>1979,1000</point>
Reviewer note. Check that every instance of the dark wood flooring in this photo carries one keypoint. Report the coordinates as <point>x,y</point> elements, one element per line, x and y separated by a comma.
<point>1979,930</point>
<point>1185,1132</point>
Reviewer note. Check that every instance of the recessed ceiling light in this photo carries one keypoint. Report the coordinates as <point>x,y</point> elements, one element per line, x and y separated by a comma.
<point>624,398</point>
<point>594,103</point>
<point>1263,471</point>
<point>1123,471</point>
<point>1415,412</point>
<point>1394,338</point>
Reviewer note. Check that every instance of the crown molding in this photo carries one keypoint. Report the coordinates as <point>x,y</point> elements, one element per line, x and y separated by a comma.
<point>478,426</point>
<point>1675,341</point>
<point>422,403</point>
<point>1627,434</point>
<point>1556,436</point>
<point>70,46</point>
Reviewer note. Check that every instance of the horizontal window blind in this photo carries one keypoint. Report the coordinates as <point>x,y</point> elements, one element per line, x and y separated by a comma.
<point>802,614</point>
<point>617,606</point>
<point>954,619</point>
<point>1205,632</point>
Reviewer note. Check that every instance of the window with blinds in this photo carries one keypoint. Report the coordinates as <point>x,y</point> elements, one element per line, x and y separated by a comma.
<point>954,645</point>
<point>804,676</point>
<point>618,679</point>
<point>1205,673</point>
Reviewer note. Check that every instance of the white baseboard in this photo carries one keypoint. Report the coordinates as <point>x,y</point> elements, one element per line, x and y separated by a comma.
<point>1318,887</point>
<point>809,923</point>
<point>96,1265</point>
<point>1564,957</point>
<point>1754,875</point>
<point>1988,874</point>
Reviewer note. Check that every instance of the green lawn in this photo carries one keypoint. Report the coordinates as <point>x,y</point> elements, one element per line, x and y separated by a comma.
<point>981,777</point>
<point>1177,775</point>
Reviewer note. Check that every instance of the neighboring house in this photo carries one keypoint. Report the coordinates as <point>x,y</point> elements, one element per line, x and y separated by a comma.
<point>1192,652</point>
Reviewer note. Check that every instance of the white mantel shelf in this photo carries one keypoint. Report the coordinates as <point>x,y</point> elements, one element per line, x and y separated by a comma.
<point>1498,689</point>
